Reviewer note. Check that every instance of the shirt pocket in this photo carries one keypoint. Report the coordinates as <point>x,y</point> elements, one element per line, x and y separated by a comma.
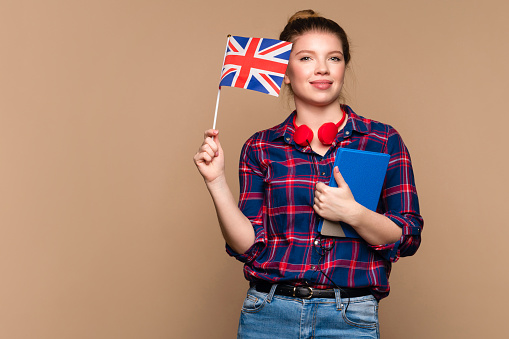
<point>290,191</point>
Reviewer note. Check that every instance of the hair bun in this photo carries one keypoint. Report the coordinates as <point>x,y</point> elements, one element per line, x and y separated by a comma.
<point>304,14</point>
<point>310,21</point>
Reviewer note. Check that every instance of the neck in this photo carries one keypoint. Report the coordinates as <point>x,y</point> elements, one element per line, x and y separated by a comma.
<point>314,116</point>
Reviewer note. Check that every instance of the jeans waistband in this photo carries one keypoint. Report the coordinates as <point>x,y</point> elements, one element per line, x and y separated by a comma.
<point>307,292</point>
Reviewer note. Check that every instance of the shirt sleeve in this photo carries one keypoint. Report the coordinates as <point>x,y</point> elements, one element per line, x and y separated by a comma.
<point>399,201</point>
<point>251,200</point>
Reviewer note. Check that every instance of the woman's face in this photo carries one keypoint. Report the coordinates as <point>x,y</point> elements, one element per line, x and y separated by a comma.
<point>316,69</point>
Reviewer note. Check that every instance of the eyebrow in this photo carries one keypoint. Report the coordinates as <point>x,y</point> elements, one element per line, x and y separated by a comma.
<point>312,52</point>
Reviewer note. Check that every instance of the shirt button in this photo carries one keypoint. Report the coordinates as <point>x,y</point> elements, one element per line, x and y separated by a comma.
<point>347,133</point>
<point>317,243</point>
<point>288,139</point>
<point>323,173</point>
<point>313,268</point>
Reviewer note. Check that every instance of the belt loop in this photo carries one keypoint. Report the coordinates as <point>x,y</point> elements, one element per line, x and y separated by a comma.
<point>339,305</point>
<point>271,293</point>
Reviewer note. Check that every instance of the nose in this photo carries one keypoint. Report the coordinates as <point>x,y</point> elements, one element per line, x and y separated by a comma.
<point>321,67</point>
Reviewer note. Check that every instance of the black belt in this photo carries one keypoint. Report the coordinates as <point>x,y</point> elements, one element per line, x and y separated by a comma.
<point>306,292</point>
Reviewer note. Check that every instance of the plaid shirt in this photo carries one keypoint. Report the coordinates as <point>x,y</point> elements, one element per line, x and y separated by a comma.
<point>277,182</point>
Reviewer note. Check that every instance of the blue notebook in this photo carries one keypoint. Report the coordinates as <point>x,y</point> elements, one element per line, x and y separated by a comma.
<point>364,172</point>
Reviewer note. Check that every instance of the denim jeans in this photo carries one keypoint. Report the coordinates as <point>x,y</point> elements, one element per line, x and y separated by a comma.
<point>265,315</point>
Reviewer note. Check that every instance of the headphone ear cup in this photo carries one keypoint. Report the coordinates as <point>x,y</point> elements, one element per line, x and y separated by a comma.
<point>327,133</point>
<point>303,135</point>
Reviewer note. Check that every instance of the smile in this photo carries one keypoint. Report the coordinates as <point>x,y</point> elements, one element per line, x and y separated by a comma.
<point>321,84</point>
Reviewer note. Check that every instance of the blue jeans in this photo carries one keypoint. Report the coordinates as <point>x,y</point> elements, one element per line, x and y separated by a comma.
<point>265,315</point>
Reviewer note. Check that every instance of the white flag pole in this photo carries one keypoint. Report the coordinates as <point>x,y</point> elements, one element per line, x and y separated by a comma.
<point>217,105</point>
<point>219,90</point>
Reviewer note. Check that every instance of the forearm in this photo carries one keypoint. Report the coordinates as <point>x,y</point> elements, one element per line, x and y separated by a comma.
<point>236,228</point>
<point>375,228</point>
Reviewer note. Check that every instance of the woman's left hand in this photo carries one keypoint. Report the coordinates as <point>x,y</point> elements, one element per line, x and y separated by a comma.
<point>336,203</point>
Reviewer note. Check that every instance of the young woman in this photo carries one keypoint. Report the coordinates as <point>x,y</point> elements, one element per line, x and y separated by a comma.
<point>302,284</point>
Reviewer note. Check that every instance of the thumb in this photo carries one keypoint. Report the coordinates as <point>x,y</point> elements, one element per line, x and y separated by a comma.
<point>339,178</point>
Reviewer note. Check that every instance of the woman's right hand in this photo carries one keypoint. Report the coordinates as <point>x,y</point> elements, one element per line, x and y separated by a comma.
<point>210,157</point>
<point>236,228</point>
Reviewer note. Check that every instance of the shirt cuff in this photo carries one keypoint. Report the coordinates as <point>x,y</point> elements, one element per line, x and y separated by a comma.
<point>391,252</point>
<point>252,252</point>
<point>407,227</point>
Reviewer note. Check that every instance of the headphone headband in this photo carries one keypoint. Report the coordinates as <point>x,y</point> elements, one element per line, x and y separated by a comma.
<point>326,133</point>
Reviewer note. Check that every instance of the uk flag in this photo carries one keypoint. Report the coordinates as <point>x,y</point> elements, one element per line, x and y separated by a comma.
<point>256,64</point>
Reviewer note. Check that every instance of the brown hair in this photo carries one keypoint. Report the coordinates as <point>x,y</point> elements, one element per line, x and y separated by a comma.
<point>307,21</point>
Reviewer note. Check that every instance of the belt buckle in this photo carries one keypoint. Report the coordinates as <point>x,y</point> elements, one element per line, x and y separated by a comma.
<point>310,289</point>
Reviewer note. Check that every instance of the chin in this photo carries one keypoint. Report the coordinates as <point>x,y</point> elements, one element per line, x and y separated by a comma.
<point>325,102</point>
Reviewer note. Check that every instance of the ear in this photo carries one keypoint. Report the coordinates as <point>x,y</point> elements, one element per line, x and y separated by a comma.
<point>286,79</point>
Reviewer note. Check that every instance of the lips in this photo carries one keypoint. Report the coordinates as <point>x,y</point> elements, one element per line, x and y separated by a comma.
<point>321,84</point>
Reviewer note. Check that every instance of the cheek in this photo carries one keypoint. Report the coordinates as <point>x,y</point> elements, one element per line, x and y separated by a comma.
<point>341,73</point>
<point>290,75</point>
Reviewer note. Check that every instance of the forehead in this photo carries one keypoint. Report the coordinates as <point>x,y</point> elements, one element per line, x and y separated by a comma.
<point>317,41</point>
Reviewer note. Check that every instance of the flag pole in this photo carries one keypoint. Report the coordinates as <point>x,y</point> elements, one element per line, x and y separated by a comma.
<point>219,90</point>
<point>217,105</point>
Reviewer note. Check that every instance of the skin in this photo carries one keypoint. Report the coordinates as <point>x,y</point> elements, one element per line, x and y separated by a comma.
<point>316,71</point>
<point>235,226</point>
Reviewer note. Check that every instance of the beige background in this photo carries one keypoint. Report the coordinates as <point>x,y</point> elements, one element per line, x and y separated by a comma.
<point>106,229</point>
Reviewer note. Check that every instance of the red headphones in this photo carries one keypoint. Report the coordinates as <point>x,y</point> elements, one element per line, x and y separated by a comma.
<point>326,133</point>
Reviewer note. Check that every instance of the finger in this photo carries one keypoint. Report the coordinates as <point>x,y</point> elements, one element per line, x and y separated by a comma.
<point>206,158</point>
<point>210,133</point>
<point>218,143</point>
<point>214,137</point>
<point>317,202</point>
<point>319,196</point>
<point>317,209</point>
<point>319,187</point>
<point>201,158</point>
<point>205,148</point>
<point>339,178</point>
<point>212,144</point>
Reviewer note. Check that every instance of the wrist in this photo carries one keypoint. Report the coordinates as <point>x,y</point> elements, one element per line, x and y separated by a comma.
<point>216,184</point>
<point>357,214</point>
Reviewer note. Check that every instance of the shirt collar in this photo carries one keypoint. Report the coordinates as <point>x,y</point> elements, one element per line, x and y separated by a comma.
<point>355,123</point>
<point>285,130</point>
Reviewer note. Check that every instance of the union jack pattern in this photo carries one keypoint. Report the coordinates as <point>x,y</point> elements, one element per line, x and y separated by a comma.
<point>256,64</point>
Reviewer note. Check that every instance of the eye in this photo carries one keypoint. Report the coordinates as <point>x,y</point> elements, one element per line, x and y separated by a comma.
<point>337,59</point>
<point>305,58</point>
